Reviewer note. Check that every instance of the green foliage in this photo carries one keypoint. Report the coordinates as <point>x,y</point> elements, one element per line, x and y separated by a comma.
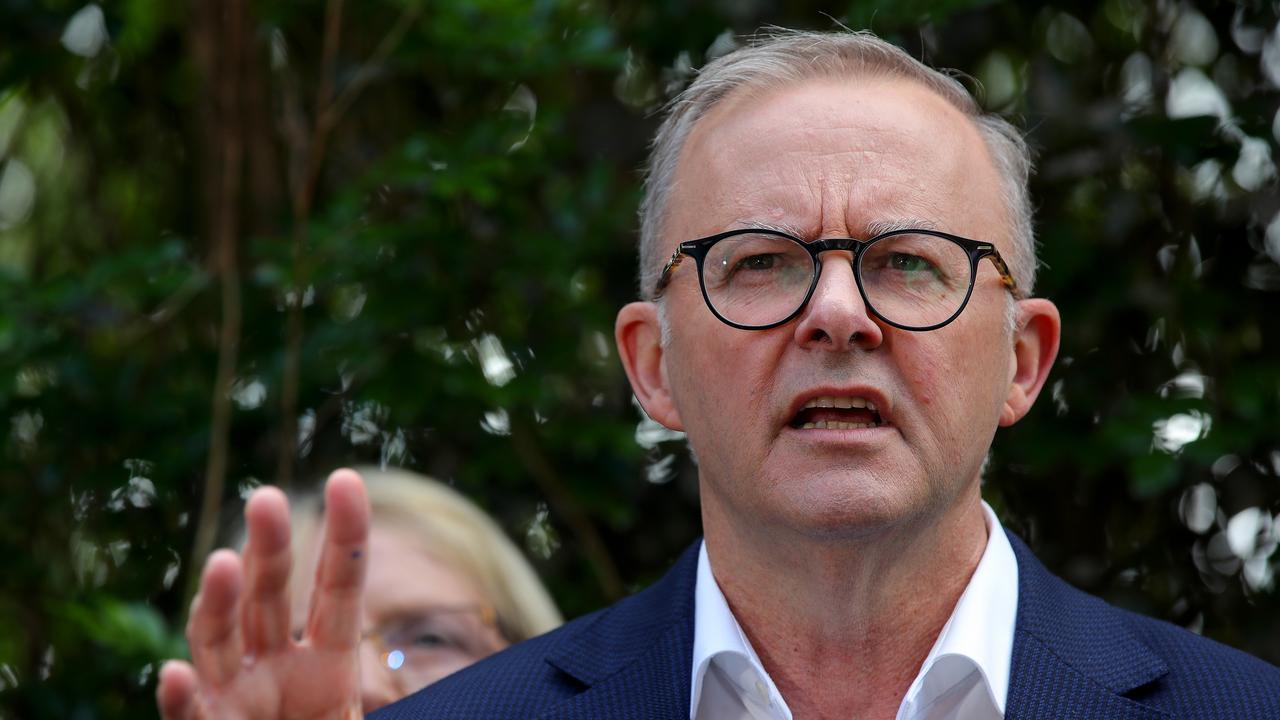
<point>131,629</point>
<point>470,236</point>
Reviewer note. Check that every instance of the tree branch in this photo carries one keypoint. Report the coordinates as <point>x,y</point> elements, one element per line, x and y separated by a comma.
<point>307,159</point>
<point>225,224</point>
<point>369,70</point>
<point>567,508</point>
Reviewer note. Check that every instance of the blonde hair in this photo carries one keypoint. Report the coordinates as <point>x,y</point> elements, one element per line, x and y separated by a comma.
<point>453,530</point>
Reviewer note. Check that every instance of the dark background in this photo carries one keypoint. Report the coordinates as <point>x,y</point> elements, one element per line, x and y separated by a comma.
<point>246,242</point>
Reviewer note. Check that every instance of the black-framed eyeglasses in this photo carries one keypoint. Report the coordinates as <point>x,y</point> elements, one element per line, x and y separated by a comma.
<point>913,279</point>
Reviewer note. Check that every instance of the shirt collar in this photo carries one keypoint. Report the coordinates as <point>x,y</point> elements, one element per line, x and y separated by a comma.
<point>979,633</point>
<point>718,636</point>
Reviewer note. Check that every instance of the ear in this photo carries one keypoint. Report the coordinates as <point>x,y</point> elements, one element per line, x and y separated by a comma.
<point>639,337</point>
<point>1035,345</point>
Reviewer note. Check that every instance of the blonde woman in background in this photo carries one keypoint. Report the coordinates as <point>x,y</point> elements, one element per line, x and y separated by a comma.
<point>445,586</point>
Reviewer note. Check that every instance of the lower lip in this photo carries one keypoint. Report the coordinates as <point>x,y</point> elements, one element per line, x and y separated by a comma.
<point>866,434</point>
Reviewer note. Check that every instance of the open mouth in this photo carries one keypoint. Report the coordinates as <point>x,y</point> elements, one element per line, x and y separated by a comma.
<point>837,413</point>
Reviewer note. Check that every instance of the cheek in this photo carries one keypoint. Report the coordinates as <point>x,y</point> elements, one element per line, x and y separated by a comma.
<point>721,376</point>
<point>945,387</point>
<point>949,379</point>
<point>717,386</point>
<point>925,366</point>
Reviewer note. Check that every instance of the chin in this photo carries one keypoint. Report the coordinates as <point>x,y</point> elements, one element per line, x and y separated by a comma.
<point>850,507</point>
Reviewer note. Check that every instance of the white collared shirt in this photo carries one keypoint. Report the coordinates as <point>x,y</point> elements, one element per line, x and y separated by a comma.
<point>964,677</point>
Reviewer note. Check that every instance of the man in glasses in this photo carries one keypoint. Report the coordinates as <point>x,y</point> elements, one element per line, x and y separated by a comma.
<point>837,265</point>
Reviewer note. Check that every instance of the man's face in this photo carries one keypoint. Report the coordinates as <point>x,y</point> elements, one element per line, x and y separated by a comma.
<point>830,158</point>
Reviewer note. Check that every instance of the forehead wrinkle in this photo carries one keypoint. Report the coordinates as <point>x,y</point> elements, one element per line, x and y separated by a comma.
<point>893,204</point>
<point>863,213</point>
<point>872,196</point>
<point>811,204</point>
<point>784,203</point>
<point>811,171</point>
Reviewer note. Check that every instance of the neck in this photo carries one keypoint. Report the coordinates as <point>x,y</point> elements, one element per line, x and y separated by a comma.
<point>843,624</point>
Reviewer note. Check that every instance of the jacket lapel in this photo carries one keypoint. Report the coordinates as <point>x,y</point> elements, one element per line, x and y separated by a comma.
<point>635,659</point>
<point>1073,656</point>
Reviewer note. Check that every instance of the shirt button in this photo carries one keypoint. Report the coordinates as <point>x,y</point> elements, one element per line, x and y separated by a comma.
<point>764,691</point>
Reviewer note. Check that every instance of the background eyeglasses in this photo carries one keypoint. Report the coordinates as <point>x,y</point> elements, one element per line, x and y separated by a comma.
<point>423,647</point>
<point>912,279</point>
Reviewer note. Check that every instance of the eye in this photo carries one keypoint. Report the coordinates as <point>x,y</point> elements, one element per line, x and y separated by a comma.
<point>428,640</point>
<point>908,263</point>
<point>757,262</point>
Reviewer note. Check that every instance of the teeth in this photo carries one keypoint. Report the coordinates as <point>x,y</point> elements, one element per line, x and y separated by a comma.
<point>836,425</point>
<point>843,403</point>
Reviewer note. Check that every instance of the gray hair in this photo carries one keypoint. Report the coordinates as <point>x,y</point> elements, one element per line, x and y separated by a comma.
<point>780,57</point>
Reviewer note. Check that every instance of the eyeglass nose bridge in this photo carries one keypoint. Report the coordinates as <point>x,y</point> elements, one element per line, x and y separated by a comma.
<point>815,249</point>
<point>853,245</point>
<point>827,244</point>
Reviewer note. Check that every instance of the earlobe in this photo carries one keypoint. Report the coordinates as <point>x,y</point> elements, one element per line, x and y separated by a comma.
<point>638,334</point>
<point>1035,346</point>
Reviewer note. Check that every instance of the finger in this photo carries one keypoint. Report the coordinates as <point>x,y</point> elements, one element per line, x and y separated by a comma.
<point>267,563</point>
<point>176,691</point>
<point>213,631</point>
<point>335,616</point>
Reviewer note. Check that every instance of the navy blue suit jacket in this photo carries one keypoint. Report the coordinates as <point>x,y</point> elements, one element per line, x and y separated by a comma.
<point>1074,656</point>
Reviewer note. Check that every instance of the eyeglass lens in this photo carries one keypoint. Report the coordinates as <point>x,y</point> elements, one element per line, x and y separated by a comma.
<point>913,280</point>
<point>424,648</point>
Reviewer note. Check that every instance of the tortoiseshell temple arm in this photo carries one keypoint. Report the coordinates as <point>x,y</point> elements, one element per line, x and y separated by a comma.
<point>1005,276</point>
<point>665,278</point>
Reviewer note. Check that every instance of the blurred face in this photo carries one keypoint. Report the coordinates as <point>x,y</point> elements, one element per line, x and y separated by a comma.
<point>423,619</point>
<point>836,422</point>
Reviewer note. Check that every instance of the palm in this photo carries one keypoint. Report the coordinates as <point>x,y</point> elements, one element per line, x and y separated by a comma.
<point>245,664</point>
<point>301,682</point>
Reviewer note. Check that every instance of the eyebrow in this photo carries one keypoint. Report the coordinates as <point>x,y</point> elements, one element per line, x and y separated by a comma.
<point>873,228</point>
<point>880,227</point>
<point>412,610</point>
<point>776,227</point>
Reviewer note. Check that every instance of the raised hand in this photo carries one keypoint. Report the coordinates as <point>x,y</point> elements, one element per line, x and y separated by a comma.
<point>245,665</point>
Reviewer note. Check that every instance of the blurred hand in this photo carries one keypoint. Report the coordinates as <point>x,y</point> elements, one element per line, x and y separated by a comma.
<point>245,664</point>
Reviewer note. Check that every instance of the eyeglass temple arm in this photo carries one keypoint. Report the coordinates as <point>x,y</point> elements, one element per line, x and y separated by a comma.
<point>1005,275</point>
<point>665,278</point>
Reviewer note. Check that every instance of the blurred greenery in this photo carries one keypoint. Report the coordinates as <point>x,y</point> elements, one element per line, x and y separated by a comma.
<point>226,233</point>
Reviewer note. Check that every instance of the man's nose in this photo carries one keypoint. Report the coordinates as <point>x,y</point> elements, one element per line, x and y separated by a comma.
<point>377,686</point>
<point>836,317</point>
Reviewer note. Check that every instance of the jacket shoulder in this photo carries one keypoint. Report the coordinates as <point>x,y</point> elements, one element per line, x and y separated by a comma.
<point>1206,678</point>
<point>532,678</point>
<point>1065,636</point>
<point>518,682</point>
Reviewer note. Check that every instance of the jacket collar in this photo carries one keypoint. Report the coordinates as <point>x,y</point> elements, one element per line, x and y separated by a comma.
<point>1073,655</point>
<point>635,657</point>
